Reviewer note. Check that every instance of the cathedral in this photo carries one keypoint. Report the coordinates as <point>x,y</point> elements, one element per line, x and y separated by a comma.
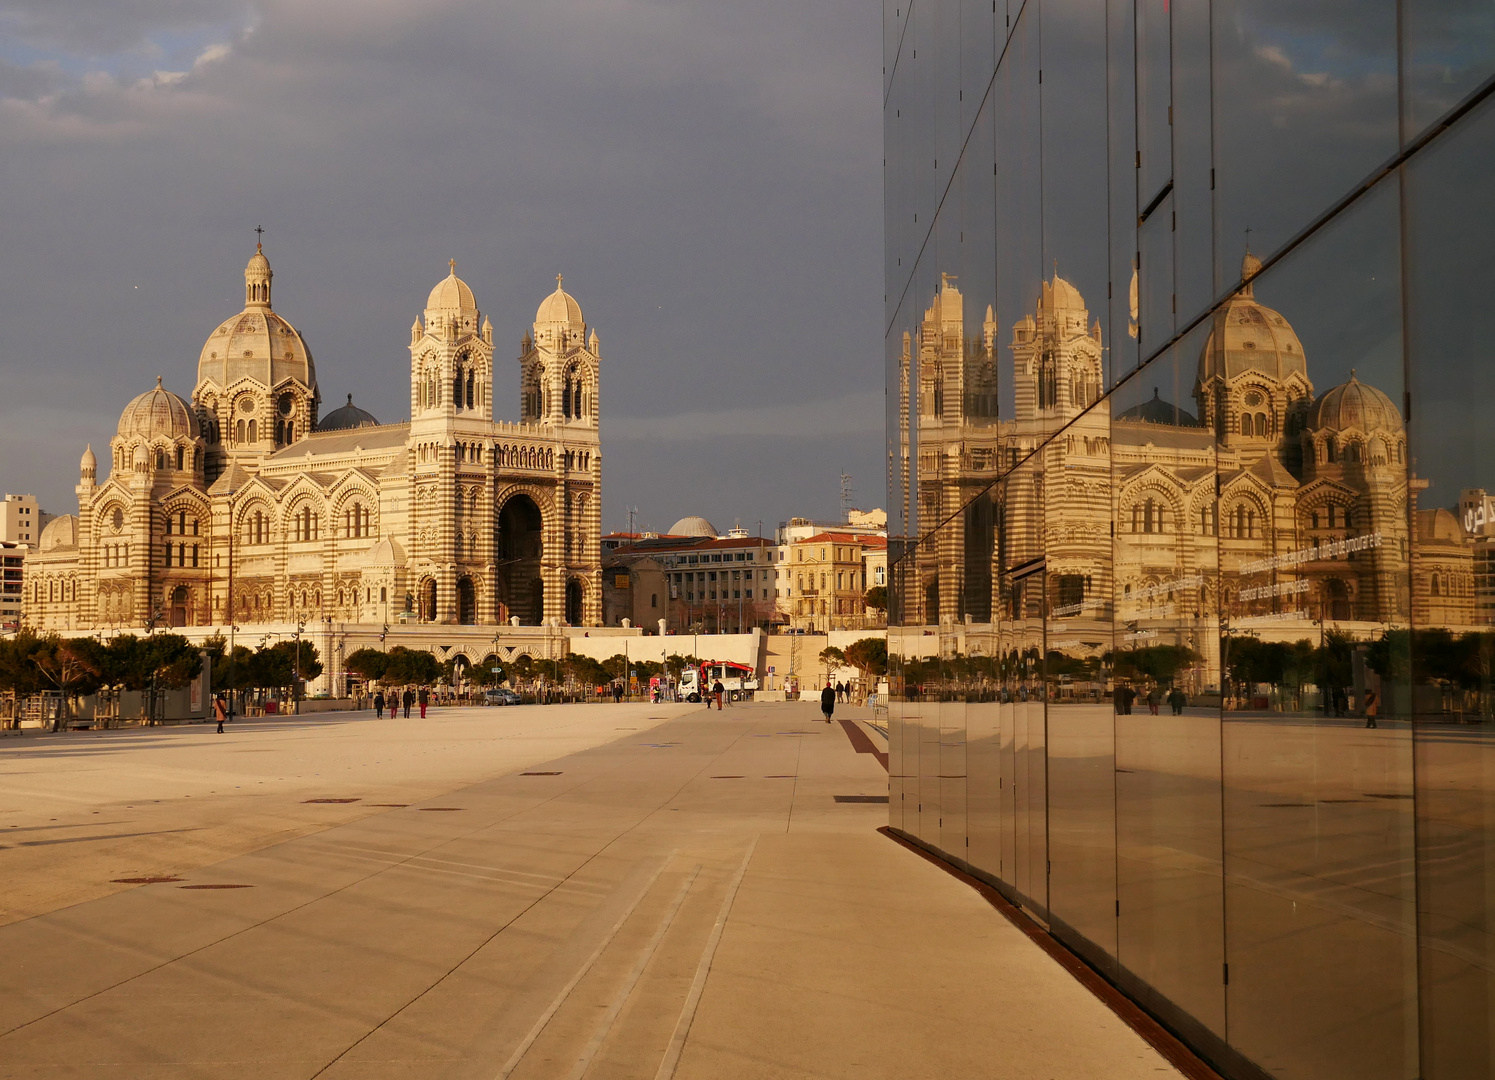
<point>1270,509</point>
<point>244,504</point>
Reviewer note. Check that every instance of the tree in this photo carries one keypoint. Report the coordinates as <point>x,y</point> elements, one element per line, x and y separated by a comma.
<point>411,667</point>
<point>877,598</point>
<point>73,667</point>
<point>831,655</point>
<point>869,656</point>
<point>367,664</point>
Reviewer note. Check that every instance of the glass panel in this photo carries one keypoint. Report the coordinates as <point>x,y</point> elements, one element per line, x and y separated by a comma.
<point>1072,91</point>
<point>1019,194</point>
<point>1448,50</point>
<point>1156,298</point>
<point>1154,98</point>
<point>1305,107</point>
<point>1121,123</point>
<point>1313,533</point>
<point>1081,750</point>
<point>1193,200</point>
<point>1450,327</point>
<point>1020,537</point>
<point>1165,690</point>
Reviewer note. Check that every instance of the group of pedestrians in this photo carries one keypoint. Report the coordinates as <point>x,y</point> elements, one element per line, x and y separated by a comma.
<point>1124,695</point>
<point>410,697</point>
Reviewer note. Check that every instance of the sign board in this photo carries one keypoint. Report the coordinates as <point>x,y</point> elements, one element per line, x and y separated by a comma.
<point>771,669</point>
<point>620,581</point>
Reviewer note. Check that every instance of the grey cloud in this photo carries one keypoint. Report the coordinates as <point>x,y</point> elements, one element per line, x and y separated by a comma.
<point>706,175</point>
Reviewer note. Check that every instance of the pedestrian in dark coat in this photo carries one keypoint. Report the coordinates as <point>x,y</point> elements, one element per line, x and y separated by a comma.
<point>718,690</point>
<point>424,698</point>
<point>408,699</point>
<point>828,701</point>
<point>379,705</point>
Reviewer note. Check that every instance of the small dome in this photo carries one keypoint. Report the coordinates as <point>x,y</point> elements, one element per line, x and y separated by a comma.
<point>1355,405</point>
<point>1439,525</point>
<point>158,412</point>
<point>90,463</point>
<point>451,294</point>
<point>386,552</point>
<point>346,417</point>
<point>1158,411</point>
<point>559,307</point>
<point>61,532</point>
<point>693,526</point>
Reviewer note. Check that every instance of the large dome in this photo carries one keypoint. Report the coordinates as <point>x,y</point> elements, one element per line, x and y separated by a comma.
<point>451,294</point>
<point>256,343</point>
<point>1248,336</point>
<point>346,417</point>
<point>1354,405</point>
<point>158,412</point>
<point>693,526</point>
<point>559,307</point>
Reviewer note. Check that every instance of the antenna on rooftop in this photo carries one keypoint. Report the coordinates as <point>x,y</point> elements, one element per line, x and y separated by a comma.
<point>632,513</point>
<point>846,492</point>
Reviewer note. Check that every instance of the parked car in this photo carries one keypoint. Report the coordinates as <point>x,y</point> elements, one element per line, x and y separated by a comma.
<point>503,696</point>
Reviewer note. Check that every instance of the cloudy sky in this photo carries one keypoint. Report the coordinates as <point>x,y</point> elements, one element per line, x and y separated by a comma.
<point>707,175</point>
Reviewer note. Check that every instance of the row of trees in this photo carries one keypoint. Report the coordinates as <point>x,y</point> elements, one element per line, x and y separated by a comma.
<point>32,664</point>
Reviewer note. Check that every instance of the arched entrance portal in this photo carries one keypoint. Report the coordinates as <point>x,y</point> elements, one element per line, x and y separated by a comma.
<point>428,600</point>
<point>178,612</point>
<point>574,595</point>
<point>519,544</point>
<point>1339,601</point>
<point>467,602</point>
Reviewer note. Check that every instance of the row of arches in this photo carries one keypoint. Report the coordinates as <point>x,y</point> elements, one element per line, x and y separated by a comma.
<point>524,457</point>
<point>306,520</point>
<point>1376,451</point>
<point>160,457</point>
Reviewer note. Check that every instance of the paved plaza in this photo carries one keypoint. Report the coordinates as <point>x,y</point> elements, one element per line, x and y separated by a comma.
<point>563,891</point>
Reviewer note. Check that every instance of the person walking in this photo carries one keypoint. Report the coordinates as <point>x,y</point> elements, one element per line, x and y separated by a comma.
<point>617,693</point>
<point>379,705</point>
<point>1372,707</point>
<point>407,699</point>
<point>717,691</point>
<point>828,701</point>
<point>424,698</point>
<point>220,711</point>
<point>1177,700</point>
<point>1154,699</point>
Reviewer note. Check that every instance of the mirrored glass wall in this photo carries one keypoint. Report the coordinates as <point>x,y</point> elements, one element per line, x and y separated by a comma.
<point>1192,614</point>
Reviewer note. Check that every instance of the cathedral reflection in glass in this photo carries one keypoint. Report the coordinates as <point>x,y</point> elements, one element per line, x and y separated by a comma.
<point>1191,467</point>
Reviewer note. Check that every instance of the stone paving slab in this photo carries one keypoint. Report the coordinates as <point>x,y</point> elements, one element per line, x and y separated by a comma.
<point>695,884</point>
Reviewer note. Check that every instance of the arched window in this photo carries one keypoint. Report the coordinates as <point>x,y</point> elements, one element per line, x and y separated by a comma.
<point>252,437</point>
<point>471,384</point>
<point>239,432</point>
<point>1246,425</point>
<point>1261,424</point>
<point>179,457</point>
<point>457,389</point>
<point>1331,451</point>
<point>1435,585</point>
